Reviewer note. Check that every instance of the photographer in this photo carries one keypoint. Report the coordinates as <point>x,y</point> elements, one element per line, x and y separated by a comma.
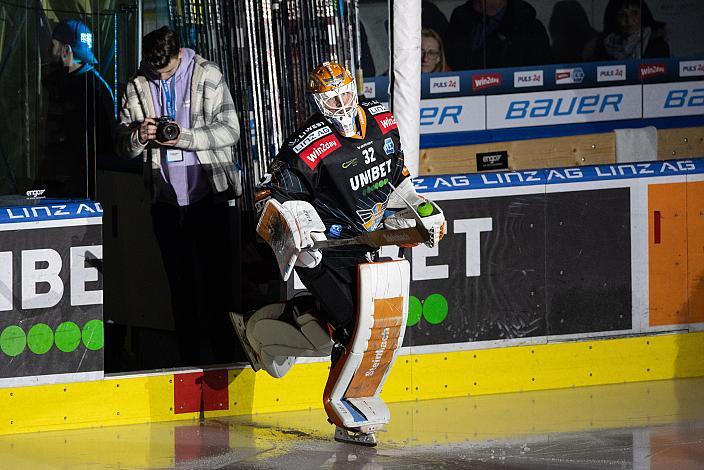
<point>178,114</point>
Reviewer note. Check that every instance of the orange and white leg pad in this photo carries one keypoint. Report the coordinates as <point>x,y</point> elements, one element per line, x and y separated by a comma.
<point>351,396</point>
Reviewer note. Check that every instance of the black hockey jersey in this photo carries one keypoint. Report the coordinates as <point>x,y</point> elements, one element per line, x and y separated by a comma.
<point>346,179</point>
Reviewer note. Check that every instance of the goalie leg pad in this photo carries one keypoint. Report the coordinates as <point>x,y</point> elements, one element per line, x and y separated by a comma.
<point>351,396</point>
<point>278,342</point>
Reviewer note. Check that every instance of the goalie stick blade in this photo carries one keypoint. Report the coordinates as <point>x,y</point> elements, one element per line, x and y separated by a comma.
<point>379,238</point>
<point>241,329</point>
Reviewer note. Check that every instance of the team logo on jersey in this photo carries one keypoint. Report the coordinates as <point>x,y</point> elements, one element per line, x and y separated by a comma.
<point>386,122</point>
<point>372,217</point>
<point>335,231</point>
<point>312,137</point>
<point>388,146</point>
<point>371,175</point>
<point>315,153</point>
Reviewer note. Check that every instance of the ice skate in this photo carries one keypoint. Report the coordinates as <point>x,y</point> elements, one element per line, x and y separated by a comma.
<point>352,436</point>
<point>240,325</point>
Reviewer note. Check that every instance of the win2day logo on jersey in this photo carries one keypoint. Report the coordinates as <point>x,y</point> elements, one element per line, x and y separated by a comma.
<point>386,122</point>
<point>316,152</point>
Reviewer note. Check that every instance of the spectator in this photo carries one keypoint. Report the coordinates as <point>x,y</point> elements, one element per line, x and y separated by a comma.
<point>192,176</point>
<point>495,33</point>
<point>630,32</point>
<point>80,114</point>
<point>367,64</point>
<point>570,31</point>
<point>432,18</point>
<point>432,53</point>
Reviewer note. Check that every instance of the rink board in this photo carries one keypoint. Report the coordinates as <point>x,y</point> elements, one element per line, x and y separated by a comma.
<point>131,399</point>
<point>539,256</point>
<point>547,279</point>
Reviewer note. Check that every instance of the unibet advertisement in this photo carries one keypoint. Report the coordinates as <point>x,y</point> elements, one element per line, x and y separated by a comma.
<point>522,266</point>
<point>51,296</point>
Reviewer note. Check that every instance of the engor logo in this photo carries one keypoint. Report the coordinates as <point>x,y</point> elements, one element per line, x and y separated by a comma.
<point>646,71</point>
<point>315,153</point>
<point>492,158</point>
<point>386,122</point>
<point>35,193</point>
<point>480,82</point>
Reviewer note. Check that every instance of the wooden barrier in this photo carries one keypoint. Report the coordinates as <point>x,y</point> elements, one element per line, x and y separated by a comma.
<point>577,150</point>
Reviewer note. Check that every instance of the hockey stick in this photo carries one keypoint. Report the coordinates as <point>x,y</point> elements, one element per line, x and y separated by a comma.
<point>378,238</point>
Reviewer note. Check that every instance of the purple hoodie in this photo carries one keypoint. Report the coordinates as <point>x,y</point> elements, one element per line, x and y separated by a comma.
<point>186,177</point>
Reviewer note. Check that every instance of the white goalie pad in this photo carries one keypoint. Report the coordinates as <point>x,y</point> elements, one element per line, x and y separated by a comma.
<point>291,229</point>
<point>351,395</point>
<point>278,343</point>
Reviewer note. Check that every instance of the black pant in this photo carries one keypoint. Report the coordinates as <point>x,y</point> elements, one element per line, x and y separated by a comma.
<point>195,245</point>
<point>333,283</point>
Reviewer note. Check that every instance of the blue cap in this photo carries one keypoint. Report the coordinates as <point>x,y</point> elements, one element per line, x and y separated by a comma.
<point>77,35</point>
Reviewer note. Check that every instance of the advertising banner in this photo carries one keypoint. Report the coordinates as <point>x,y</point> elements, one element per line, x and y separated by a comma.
<point>476,106</point>
<point>673,99</point>
<point>560,253</point>
<point>564,107</point>
<point>524,265</point>
<point>452,115</point>
<point>51,314</point>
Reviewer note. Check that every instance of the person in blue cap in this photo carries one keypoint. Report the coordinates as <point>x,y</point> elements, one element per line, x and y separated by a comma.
<point>80,114</point>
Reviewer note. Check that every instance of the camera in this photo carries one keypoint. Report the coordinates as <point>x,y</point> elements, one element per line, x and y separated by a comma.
<point>166,129</point>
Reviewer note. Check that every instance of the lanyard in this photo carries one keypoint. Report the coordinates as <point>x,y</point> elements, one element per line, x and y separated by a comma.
<point>170,94</point>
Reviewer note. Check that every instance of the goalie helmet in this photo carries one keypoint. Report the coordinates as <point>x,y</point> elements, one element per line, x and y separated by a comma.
<point>334,92</point>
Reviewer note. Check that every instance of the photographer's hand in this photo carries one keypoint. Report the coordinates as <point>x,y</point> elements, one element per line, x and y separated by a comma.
<point>147,130</point>
<point>170,143</point>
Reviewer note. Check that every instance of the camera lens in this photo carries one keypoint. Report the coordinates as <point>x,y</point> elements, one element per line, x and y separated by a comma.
<point>166,130</point>
<point>170,131</point>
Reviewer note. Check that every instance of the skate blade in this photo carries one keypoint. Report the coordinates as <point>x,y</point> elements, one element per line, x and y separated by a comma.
<point>241,329</point>
<point>354,437</point>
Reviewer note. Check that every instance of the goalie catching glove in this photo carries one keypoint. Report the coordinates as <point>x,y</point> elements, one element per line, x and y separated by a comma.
<point>291,229</point>
<point>414,208</point>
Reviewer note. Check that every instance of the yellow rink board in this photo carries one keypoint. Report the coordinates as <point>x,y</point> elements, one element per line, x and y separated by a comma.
<point>414,424</point>
<point>150,398</point>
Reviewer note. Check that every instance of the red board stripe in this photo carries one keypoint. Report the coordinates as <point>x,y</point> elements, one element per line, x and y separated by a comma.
<point>201,391</point>
<point>656,227</point>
